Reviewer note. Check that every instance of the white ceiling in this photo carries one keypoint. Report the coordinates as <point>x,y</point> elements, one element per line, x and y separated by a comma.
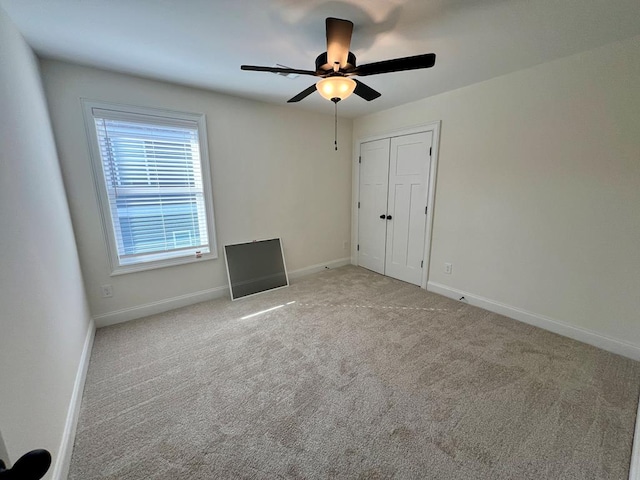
<point>202,43</point>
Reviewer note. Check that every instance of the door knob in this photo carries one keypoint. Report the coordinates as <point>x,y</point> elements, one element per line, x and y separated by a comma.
<point>382,216</point>
<point>388,217</point>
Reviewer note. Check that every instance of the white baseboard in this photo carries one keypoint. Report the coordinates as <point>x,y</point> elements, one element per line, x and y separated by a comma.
<point>63,459</point>
<point>577,333</point>
<point>302,272</point>
<point>140,311</point>
<point>634,470</point>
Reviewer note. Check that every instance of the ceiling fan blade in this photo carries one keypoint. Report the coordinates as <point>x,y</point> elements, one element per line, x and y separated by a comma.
<point>365,91</point>
<point>338,41</point>
<point>255,68</point>
<point>303,94</point>
<point>427,60</point>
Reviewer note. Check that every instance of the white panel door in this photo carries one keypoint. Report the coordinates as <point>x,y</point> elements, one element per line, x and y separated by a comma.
<point>406,220</point>
<point>374,175</point>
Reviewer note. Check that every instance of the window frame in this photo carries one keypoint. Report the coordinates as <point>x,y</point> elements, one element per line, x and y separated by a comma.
<point>162,117</point>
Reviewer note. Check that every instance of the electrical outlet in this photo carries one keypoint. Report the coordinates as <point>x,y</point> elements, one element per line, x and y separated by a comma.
<point>107,291</point>
<point>447,268</point>
<point>345,245</point>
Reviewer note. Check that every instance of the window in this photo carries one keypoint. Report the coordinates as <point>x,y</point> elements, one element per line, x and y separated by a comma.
<point>152,173</point>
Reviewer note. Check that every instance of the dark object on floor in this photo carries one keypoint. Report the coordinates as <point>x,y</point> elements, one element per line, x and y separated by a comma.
<point>31,466</point>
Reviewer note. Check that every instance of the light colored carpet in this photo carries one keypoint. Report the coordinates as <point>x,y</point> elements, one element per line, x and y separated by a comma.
<point>363,377</point>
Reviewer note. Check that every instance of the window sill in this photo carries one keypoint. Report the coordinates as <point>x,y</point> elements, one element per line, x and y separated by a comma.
<point>170,262</point>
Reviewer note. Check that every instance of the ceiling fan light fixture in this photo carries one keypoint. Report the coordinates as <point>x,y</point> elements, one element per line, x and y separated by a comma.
<point>336,87</point>
<point>337,65</point>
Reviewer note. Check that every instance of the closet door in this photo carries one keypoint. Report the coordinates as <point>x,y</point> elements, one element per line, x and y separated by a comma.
<point>409,164</point>
<point>372,223</point>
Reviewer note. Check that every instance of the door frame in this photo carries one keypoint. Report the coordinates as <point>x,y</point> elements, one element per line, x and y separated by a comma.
<point>434,128</point>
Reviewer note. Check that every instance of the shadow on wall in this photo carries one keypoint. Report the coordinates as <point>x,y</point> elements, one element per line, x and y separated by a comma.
<point>4,456</point>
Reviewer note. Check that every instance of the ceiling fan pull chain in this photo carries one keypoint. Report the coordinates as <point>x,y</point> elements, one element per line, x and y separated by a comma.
<point>335,133</point>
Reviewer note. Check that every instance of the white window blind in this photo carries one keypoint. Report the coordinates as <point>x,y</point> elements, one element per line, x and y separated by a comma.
<point>153,178</point>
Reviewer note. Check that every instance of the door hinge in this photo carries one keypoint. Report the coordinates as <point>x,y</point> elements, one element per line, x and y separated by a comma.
<point>430,150</point>
<point>360,159</point>
<point>425,209</point>
<point>422,264</point>
<point>358,247</point>
<point>358,204</point>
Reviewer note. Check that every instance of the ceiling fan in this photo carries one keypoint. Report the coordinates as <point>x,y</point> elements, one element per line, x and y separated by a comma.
<point>337,65</point>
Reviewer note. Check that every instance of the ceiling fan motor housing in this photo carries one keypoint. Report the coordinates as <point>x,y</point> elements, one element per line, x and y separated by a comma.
<point>323,67</point>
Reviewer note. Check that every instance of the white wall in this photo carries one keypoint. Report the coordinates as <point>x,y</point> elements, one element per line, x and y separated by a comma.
<point>274,173</point>
<point>44,317</point>
<point>538,192</point>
